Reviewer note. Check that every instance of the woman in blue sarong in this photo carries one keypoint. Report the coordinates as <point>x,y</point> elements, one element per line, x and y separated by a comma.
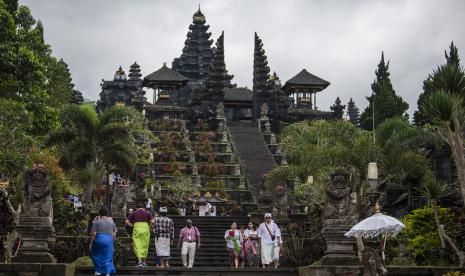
<point>101,244</point>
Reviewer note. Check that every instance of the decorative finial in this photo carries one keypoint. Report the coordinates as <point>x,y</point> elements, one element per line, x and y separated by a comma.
<point>274,76</point>
<point>164,64</point>
<point>198,16</point>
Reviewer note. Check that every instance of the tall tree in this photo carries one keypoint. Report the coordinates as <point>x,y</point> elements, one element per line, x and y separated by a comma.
<point>446,112</point>
<point>59,82</point>
<point>353,112</point>
<point>96,144</point>
<point>387,104</point>
<point>29,73</point>
<point>261,75</point>
<point>11,6</point>
<point>338,109</point>
<point>452,58</point>
<point>8,53</point>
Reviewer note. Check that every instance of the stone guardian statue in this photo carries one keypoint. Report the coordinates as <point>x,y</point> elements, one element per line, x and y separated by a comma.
<point>35,225</point>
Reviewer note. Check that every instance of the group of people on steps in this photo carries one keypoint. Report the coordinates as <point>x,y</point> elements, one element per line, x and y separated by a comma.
<point>247,246</point>
<point>250,246</point>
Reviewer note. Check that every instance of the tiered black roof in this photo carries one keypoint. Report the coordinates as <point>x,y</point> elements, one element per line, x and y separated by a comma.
<point>261,70</point>
<point>305,80</point>
<point>197,53</point>
<point>239,94</point>
<point>165,77</point>
<point>261,75</point>
<point>218,78</point>
<point>77,97</point>
<point>134,72</point>
<point>121,89</point>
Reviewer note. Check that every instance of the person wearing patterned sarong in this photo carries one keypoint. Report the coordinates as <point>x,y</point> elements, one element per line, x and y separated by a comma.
<point>164,236</point>
<point>141,221</point>
<point>251,247</point>
<point>101,243</point>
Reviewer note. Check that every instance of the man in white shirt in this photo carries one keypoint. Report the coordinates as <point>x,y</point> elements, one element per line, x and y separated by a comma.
<point>267,233</point>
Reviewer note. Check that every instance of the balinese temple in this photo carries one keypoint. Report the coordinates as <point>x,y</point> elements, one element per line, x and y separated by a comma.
<point>196,100</point>
<point>199,75</point>
<point>170,93</point>
<point>197,53</point>
<point>302,87</point>
<point>122,90</point>
<point>166,83</point>
<point>238,103</point>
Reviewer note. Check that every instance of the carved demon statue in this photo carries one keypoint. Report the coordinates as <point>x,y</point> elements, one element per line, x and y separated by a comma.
<point>339,216</point>
<point>35,224</point>
<point>341,201</point>
<point>37,200</point>
<point>281,195</point>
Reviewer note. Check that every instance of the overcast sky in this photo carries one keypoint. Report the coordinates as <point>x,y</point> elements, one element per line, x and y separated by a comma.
<point>340,41</point>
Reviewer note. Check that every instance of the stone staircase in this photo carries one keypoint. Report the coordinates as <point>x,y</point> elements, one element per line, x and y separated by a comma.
<point>252,152</point>
<point>212,252</point>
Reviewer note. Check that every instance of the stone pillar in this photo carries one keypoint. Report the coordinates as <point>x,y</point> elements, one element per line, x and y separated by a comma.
<point>37,240</point>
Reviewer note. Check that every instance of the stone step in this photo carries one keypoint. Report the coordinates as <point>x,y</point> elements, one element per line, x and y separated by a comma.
<point>197,271</point>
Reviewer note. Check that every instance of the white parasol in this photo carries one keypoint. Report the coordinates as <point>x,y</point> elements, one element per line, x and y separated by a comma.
<point>377,224</point>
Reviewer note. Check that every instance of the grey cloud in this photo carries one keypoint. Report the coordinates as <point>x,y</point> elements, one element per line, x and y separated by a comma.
<point>340,41</point>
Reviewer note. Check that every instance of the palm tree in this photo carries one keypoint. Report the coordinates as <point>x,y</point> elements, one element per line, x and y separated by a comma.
<point>404,159</point>
<point>446,110</point>
<point>94,144</point>
<point>433,190</point>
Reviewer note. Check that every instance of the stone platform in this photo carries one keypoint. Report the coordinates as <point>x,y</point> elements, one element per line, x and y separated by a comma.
<point>204,271</point>
<point>36,269</point>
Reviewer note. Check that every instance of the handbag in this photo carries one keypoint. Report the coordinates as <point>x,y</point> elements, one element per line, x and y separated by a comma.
<point>273,237</point>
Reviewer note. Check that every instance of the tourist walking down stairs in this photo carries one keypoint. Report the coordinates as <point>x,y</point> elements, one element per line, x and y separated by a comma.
<point>251,247</point>
<point>101,243</point>
<point>164,236</point>
<point>234,240</point>
<point>267,232</point>
<point>141,221</point>
<point>190,238</point>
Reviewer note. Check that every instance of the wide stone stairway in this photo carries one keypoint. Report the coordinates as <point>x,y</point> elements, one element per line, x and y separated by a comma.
<point>210,259</point>
<point>252,152</point>
<point>212,251</point>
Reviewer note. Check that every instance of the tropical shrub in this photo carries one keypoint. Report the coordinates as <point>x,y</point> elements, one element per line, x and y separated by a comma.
<point>424,245</point>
